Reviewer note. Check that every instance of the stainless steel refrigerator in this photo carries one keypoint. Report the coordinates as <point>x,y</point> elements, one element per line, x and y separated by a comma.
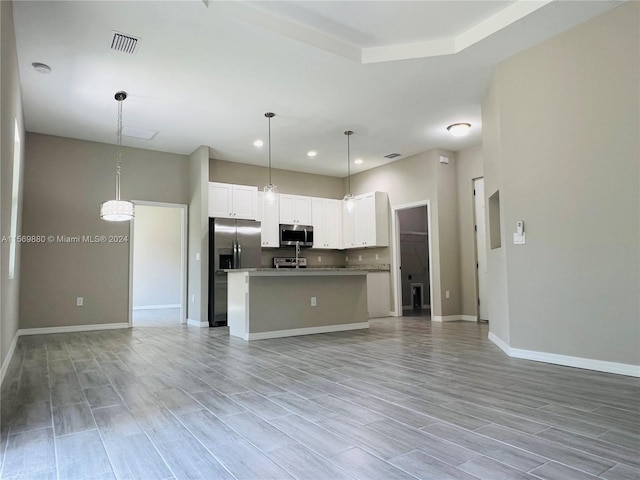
<point>232,244</point>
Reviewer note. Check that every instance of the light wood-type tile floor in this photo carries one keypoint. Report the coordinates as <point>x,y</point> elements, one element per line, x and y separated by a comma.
<point>405,399</point>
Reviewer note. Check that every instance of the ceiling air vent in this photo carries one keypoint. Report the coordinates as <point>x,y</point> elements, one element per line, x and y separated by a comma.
<point>124,43</point>
<point>392,155</point>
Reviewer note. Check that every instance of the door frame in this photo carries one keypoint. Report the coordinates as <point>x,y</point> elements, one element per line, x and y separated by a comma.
<point>475,249</point>
<point>184,217</point>
<point>395,254</point>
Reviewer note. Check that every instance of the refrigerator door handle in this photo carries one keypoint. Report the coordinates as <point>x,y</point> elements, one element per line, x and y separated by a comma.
<point>234,257</point>
<point>239,248</point>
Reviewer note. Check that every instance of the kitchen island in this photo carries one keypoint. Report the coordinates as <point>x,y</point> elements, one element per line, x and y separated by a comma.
<point>270,302</point>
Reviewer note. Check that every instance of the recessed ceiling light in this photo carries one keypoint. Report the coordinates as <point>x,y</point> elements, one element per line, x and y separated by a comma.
<point>459,129</point>
<point>358,161</point>
<point>258,143</point>
<point>41,67</point>
<point>311,153</point>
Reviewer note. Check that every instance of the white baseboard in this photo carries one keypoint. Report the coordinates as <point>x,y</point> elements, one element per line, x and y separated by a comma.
<point>9,357</point>
<point>501,344</point>
<point>46,330</point>
<point>197,323</point>
<point>454,318</point>
<point>566,360</point>
<point>157,307</point>
<point>72,328</point>
<point>305,331</point>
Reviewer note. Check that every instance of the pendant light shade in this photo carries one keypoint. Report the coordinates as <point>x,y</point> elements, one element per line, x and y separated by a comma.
<point>349,201</point>
<point>118,210</point>
<point>270,190</point>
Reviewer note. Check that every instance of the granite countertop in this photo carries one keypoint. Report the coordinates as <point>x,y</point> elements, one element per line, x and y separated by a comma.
<point>352,268</point>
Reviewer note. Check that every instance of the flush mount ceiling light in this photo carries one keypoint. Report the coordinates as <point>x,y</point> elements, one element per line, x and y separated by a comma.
<point>459,129</point>
<point>358,161</point>
<point>118,210</point>
<point>41,67</point>
<point>312,154</point>
<point>258,143</point>
<point>270,190</point>
<point>349,201</point>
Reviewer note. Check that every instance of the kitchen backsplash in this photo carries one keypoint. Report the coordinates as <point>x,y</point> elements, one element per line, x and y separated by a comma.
<point>331,258</point>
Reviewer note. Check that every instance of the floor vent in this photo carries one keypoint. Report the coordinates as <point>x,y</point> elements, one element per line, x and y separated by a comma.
<point>392,155</point>
<point>124,43</point>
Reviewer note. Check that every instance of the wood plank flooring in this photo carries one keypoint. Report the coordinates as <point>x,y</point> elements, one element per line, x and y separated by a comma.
<point>406,399</point>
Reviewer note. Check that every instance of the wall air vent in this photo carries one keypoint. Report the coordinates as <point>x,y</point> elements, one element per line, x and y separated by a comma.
<point>124,43</point>
<point>392,155</point>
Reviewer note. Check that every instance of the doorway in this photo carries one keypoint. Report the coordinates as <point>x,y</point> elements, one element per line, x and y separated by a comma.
<point>481,248</point>
<point>157,267</point>
<point>413,261</point>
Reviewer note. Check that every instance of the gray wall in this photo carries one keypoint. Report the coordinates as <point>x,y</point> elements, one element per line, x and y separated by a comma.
<point>65,182</point>
<point>294,183</point>
<point>415,179</point>
<point>469,167</point>
<point>198,269</point>
<point>157,256</point>
<point>10,110</point>
<point>561,133</point>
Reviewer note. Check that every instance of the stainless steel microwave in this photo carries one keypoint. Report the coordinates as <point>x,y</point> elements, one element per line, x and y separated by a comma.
<point>292,235</point>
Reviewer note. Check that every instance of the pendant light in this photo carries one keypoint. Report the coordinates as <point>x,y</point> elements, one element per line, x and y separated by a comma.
<point>118,210</point>
<point>349,201</point>
<point>270,190</point>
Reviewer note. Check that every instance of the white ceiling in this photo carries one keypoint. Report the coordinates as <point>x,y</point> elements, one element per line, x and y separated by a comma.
<point>395,72</point>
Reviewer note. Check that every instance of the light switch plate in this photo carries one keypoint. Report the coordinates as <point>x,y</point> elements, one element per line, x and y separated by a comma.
<point>519,238</point>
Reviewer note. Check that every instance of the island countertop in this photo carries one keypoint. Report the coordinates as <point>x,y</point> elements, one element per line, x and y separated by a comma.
<point>293,272</point>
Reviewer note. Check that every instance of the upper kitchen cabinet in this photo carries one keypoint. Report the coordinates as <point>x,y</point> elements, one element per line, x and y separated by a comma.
<point>232,201</point>
<point>269,216</point>
<point>326,214</point>
<point>295,209</point>
<point>368,224</point>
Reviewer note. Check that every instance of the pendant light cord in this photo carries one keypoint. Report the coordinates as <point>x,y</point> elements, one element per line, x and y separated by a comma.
<point>119,151</point>
<point>349,159</point>
<point>269,117</point>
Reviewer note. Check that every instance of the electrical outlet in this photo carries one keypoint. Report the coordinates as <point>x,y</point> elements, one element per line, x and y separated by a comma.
<point>319,259</point>
<point>377,257</point>
<point>359,258</point>
<point>447,294</point>
<point>193,298</point>
<point>79,301</point>
<point>314,301</point>
<point>198,257</point>
<point>346,259</point>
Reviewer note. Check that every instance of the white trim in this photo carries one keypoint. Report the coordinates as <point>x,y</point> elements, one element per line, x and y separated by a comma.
<point>501,344</point>
<point>197,323</point>
<point>9,357</point>
<point>567,360</point>
<point>72,328</point>
<point>157,307</point>
<point>305,331</point>
<point>184,235</point>
<point>396,282</point>
<point>454,318</point>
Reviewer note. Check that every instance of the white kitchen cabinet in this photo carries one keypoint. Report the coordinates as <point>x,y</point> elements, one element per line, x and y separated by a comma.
<point>227,200</point>
<point>368,224</point>
<point>269,217</point>
<point>295,209</point>
<point>326,215</point>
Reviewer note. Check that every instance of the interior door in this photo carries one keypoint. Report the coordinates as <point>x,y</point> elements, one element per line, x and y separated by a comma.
<point>481,247</point>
